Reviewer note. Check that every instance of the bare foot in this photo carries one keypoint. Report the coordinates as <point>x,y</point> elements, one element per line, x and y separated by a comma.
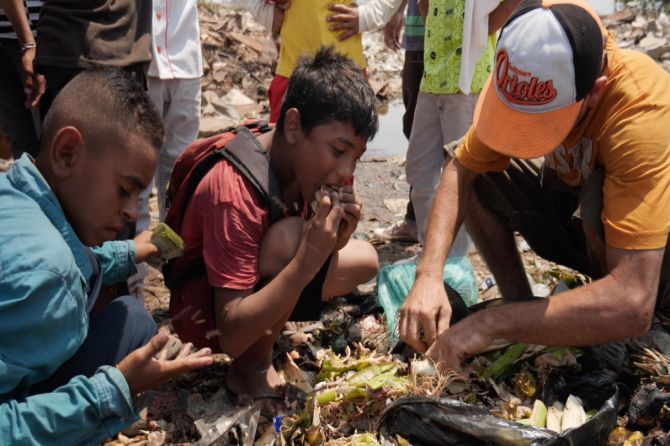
<point>260,382</point>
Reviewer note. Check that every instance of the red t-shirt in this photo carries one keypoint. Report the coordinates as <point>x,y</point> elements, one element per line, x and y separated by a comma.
<point>227,217</point>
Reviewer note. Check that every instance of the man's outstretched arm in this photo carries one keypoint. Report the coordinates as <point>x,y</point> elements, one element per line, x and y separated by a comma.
<point>618,306</point>
<point>427,307</point>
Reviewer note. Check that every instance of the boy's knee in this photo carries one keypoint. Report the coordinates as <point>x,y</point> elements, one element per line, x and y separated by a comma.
<point>279,245</point>
<point>369,259</point>
<point>366,260</point>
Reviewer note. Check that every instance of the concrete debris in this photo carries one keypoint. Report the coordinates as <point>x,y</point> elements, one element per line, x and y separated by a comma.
<point>239,58</point>
<point>238,55</point>
<point>642,30</point>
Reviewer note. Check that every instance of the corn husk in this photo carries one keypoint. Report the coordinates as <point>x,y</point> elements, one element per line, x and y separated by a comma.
<point>539,416</point>
<point>573,415</point>
<point>554,417</point>
<point>169,244</point>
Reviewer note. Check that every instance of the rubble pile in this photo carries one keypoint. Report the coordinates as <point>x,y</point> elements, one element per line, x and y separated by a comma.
<point>239,58</point>
<point>643,31</point>
<point>384,66</point>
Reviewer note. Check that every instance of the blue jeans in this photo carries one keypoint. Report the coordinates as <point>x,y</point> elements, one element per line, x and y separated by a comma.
<point>123,326</point>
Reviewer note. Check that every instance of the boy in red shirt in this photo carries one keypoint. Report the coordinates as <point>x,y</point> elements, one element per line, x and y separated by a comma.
<point>263,275</point>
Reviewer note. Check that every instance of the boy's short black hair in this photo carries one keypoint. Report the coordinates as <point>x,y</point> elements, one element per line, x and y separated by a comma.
<point>327,87</point>
<point>105,104</point>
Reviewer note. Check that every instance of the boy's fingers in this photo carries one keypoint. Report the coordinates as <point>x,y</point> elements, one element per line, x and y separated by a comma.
<point>443,321</point>
<point>340,26</point>
<point>342,20</point>
<point>162,356</point>
<point>348,197</point>
<point>201,353</point>
<point>185,350</point>
<point>154,346</point>
<point>352,209</point>
<point>409,332</point>
<point>179,366</point>
<point>333,219</point>
<point>350,218</point>
<point>324,207</point>
<point>429,330</point>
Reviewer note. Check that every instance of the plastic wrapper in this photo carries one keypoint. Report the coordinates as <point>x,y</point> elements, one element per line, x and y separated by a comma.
<point>395,281</point>
<point>442,421</point>
<point>645,407</point>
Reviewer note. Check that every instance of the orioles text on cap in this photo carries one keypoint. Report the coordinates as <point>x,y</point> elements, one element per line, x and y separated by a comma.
<point>524,90</point>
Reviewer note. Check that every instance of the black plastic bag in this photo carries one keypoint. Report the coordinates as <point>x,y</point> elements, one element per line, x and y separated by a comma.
<point>443,421</point>
<point>592,388</point>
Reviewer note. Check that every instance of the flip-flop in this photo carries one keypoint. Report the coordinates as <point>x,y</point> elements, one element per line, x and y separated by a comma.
<point>267,413</point>
<point>279,397</point>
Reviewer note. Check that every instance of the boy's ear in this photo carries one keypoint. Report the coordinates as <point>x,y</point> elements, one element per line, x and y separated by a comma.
<point>292,125</point>
<point>66,150</point>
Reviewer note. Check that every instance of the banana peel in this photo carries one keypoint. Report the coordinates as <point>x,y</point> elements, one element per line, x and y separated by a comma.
<point>573,415</point>
<point>555,417</point>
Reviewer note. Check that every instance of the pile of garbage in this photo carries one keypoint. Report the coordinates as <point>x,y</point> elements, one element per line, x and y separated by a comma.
<point>349,387</point>
<point>642,30</point>
<point>239,58</point>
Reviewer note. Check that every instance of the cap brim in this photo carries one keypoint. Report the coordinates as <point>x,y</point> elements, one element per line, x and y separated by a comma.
<point>517,134</point>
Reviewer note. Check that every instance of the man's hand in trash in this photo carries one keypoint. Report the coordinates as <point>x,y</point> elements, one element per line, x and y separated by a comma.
<point>425,313</point>
<point>462,340</point>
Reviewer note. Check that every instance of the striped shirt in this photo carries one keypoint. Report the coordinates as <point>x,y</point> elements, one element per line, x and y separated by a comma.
<point>32,8</point>
<point>412,39</point>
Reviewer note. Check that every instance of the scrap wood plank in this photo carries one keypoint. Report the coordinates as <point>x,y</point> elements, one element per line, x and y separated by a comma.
<point>247,41</point>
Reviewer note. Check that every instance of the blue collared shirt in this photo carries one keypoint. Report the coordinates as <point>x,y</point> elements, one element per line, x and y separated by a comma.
<point>44,284</point>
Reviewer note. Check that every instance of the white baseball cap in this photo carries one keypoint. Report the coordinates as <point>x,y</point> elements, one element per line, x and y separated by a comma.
<point>547,58</point>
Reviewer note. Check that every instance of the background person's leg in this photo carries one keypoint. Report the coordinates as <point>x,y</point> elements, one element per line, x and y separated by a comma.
<point>405,229</point>
<point>16,120</point>
<point>425,158</point>
<point>456,111</point>
<point>181,116</point>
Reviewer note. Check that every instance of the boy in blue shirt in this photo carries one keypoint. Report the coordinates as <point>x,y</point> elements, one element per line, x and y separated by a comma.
<point>58,383</point>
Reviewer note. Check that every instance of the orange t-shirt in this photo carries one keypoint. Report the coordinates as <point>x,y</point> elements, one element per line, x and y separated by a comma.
<point>628,134</point>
